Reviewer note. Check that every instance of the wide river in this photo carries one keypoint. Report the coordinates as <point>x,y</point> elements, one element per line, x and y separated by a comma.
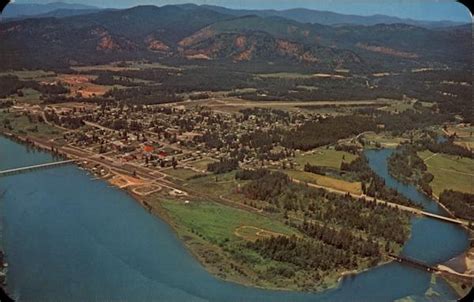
<point>69,237</point>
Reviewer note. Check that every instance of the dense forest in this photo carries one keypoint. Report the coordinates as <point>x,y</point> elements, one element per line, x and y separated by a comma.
<point>11,85</point>
<point>398,123</point>
<point>308,254</point>
<point>327,131</point>
<point>405,165</point>
<point>282,194</point>
<point>223,166</point>
<point>449,147</point>
<point>372,184</point>
<point>461,204</point>
<point>333,222</point>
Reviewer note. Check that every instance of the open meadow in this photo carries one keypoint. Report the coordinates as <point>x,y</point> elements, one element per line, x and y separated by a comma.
<point>324,157</point>
<point>450,172</point>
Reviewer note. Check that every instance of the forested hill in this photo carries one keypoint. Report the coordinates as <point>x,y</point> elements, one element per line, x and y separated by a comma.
<point>193,32</point>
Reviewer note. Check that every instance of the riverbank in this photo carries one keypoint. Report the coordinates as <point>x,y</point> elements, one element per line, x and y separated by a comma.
<point>463,267</point>
<point>215,253</point>
<point>153,209</point>
<point>240,272</point>
<point>407,168</point>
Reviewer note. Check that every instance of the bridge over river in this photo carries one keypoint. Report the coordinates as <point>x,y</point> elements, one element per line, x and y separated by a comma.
<point>35,167</point>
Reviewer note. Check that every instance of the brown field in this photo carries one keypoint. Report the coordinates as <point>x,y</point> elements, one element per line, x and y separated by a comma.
<point>325,181</point>
<point>123,181</point>
<point>464,135</point>
<point>82,84</point>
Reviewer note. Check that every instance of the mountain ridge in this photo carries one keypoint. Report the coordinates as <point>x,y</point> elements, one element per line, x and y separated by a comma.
<point>195,32</point>
<point>305,15</point>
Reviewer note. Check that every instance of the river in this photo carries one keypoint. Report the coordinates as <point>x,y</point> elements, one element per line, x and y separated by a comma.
<point>68,237</point>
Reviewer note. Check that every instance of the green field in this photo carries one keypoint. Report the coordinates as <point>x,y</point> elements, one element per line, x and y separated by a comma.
<point>401,106</point>
<point>29,96</point>
<point>181,173</point>
<point>384,139</point>
<point>131,65</point>
<point>218,223</point>
<point>325,157</point>
<point>22,126</point>
<point>450,172</point>
<point>218,234</point>
<point>202,164</point>
<point>215,185</point>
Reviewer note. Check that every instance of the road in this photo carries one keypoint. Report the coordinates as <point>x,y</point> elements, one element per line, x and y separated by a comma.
<point>408,209</point>
<point>160,179</point>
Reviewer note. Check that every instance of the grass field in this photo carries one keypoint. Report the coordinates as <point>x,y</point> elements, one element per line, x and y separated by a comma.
<point>325,157</point>
<point>218,223</point>
<point>30,95</point>
<point>22,126</point>
<point>131,65</point>
<point>384,139</point>
<point>218,234</point>
<point>450,172</point>
<point>181,173</point>
<point>325,181</point>
<point>202,164</point>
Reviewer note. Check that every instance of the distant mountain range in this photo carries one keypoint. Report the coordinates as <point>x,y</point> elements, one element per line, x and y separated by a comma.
<point>56,9</point>
<point>330,18</point>
<point>194,32</point>
<point>60,10</point>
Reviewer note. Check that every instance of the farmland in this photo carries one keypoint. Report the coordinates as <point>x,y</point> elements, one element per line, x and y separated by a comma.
<point>325,181</point>
<point>324,157</point>
<point>450,172</point>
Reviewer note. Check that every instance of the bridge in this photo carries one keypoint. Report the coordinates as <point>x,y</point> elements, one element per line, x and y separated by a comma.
<point>415,263</point>
<point>439,269</point>
<point>404,208</point>
<point>35,167</point>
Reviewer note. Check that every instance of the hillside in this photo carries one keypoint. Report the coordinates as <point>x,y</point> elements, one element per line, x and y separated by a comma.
<point>196,32</point>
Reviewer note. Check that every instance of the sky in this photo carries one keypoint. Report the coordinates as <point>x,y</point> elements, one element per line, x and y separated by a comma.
<point>432,10</point>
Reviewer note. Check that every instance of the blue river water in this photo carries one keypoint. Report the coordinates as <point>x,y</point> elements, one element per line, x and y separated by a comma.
<point>68,237</point>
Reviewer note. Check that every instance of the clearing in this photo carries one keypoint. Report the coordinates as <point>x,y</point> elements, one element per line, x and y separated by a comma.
<point>325,181</point>
<point>218,223</point>
<point>450,172</point>
<point>324,157</point>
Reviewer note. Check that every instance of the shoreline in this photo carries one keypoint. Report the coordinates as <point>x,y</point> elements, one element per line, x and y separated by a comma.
<point>433,197</point>
<point>160,213</point>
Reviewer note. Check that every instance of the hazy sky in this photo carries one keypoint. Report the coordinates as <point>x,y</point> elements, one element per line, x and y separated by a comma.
<point>414,9</point>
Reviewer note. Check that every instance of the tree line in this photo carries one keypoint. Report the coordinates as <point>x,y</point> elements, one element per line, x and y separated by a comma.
<point>461,204</point>
<point>372,184</point>
<point>327,131</point>
<point>405,165</point>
